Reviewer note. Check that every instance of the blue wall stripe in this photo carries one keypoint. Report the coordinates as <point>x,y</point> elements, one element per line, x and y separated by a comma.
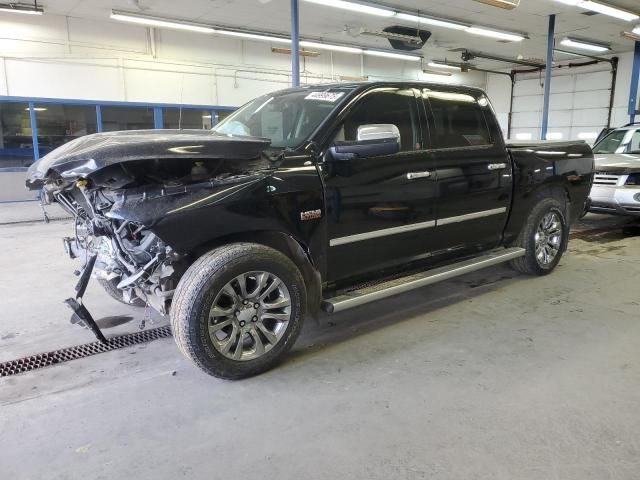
<point>34,131</point>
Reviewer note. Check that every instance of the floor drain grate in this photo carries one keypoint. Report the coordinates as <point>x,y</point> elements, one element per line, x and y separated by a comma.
<point>41,360</point>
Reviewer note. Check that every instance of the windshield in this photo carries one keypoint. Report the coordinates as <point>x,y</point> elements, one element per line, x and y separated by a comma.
<point>619,141</point>
<point>287,118</point>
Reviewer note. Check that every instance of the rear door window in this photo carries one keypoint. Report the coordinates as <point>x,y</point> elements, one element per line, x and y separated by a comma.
<point>458,120</point>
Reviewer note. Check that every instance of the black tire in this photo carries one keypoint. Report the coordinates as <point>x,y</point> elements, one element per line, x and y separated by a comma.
<point>111,287</point>
<point>529,263</point>
<point>198,289</point>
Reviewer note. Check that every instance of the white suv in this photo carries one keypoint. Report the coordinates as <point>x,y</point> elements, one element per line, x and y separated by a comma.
<point>616,184</point>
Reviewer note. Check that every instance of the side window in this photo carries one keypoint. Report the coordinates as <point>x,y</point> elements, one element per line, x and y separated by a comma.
<point>634,144</point>
<point>458,120</point>
<point>388,105</point>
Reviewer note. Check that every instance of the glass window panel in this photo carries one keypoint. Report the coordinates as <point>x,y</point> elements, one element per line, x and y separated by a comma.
<point>58,124</point>
<point>191,118</point>
<point>126,118</point>
<point>459,120</point>
<point>222,114</point>
<point>16,143</point>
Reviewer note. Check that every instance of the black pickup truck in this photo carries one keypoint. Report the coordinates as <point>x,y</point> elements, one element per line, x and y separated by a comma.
<point>320,197</point>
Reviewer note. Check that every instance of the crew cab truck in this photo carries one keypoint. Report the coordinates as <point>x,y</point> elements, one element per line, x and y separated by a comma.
<point>316,198</point>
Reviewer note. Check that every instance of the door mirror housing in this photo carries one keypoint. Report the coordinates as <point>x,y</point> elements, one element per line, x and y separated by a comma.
<point>373,140</point>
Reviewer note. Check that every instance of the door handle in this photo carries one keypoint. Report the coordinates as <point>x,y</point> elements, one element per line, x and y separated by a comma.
<point>497,166</point>
<point>415,175</point>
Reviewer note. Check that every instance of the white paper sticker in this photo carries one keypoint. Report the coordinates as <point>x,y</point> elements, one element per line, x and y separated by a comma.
<point>324,96</point>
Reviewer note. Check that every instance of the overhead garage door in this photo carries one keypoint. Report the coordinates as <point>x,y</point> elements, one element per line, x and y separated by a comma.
<point>578,107</point>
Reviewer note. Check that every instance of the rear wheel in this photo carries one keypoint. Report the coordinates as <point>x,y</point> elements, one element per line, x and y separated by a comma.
<point>544,237</point>
<point>238,310</point>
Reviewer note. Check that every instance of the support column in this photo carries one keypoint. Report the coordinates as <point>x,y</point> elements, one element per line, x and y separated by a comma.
<point>634,94</point>
<point>547,77</point>
<point>295,45</point>
<point>34,131</point>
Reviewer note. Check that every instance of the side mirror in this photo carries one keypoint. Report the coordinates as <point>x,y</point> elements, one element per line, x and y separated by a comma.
<point>373,141</point>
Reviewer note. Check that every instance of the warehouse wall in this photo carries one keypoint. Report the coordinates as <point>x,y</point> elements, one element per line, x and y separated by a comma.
<point>63,57</point>
<point>579,99</point>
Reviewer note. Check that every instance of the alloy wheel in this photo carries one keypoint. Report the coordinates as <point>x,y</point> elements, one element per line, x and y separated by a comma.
<point>548,238</point>
<point>249,315</point>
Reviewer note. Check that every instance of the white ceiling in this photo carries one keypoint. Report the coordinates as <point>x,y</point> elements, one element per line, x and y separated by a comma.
<point>335,25</point>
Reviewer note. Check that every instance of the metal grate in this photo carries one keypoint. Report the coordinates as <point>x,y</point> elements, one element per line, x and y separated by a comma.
<point>41,360</point>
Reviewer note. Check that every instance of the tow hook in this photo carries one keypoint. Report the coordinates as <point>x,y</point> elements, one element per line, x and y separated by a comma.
<point>81,315</point>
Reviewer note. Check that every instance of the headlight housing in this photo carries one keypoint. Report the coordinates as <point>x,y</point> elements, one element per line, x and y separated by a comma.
<point>633,179</point>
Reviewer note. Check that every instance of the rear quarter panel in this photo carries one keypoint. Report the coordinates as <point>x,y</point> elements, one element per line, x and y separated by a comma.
<point>538,169</point>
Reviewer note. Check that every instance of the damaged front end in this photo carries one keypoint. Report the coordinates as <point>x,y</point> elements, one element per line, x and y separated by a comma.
<point>123,188</point>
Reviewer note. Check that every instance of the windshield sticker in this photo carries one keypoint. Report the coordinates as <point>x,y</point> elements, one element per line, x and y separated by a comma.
<point>324,96</point>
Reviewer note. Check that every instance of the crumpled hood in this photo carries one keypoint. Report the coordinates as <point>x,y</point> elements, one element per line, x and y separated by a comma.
<point>618,163</point>
<point>88,154</point>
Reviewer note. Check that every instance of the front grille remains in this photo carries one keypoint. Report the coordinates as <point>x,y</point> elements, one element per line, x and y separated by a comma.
<point>606,179</point>
<point>41,360</point>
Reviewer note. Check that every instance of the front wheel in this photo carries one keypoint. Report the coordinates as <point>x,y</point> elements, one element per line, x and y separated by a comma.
<point>238,310</point>
<point>544,237</point>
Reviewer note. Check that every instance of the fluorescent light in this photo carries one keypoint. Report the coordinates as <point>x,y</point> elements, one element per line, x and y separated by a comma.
<point>511,37</point>
<point>636,30</point>
<point>430,21</point>
<point>524,136</point>
<point>399,56</point>
<point>584,45</point>
<point>157,22</point>
<point>426,71</point>
<point>355,7</point>
<point>603,8</point>
<point>17,8</point>
<point>436,64</point>
<point>253,36</point>
<point>588,135</point>
<point>506,4</point>
<point>326,46</point>
<point>609,10</point>
<point>554,136</point>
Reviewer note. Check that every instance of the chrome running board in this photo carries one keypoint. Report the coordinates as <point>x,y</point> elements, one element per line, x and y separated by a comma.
<point>396,286</point>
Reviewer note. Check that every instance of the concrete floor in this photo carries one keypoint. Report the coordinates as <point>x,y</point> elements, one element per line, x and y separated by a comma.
<point>489,376</point>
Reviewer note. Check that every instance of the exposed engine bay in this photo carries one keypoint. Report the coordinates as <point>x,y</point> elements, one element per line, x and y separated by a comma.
<point>129,256</point>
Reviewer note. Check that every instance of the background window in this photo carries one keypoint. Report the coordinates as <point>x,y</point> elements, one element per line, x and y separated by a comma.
<point>222,114</point>
<point>458,120</point>
<point>16,143</point>
<point>391,105</point>
<point>57,124</point>
<point>126,118</point>
<point>198,119</point>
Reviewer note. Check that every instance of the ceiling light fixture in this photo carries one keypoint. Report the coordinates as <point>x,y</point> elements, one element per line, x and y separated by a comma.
<point>273,38</point>
<point>302,53</point>
<point>585,45</point>
<point>398,56</point>
<point>253,36</point>
<point>485,32</point>
<point>364,7</point>
<point>333,48</point>
<point>506,4</point>
<point>439,64</point>
<point>408,17</point>
<point>20,8</point>
<point>632,35</point>
<point>603,8</point>
<point>159,22</point>
<point>429,71</point>
<point>636,30</point>
<point>355,7</point>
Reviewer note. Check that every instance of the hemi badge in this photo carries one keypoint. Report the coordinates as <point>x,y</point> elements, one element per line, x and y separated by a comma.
<point>310,215</point>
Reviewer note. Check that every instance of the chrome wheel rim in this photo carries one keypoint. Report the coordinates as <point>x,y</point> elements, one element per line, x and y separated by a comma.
<point>548,238</point>
<point>249,315</point>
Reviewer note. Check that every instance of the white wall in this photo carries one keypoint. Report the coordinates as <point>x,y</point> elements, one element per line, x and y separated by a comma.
<point>64,57</point>
<point>571,89</point>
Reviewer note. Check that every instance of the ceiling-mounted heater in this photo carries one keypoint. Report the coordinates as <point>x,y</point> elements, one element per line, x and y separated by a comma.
<point>506,4</point>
